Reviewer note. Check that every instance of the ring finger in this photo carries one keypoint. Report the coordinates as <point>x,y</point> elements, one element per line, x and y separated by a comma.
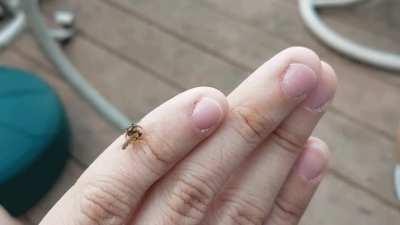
<point>301,185</point>
<point>250,195</point>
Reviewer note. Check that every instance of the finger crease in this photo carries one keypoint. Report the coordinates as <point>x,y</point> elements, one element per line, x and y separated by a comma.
<point>284,141</point>
<point>287,211</point>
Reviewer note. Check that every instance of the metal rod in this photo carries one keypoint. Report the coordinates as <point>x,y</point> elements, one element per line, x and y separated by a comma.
<point>55,54</point>
<point>13,27</point>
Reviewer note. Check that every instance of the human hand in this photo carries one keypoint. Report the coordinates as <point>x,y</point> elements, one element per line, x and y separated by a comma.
<point>211,160</point>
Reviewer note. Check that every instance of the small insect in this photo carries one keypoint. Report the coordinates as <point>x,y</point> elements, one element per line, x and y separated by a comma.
<point>132,134</point>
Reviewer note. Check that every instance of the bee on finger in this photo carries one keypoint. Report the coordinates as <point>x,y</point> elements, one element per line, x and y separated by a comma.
<point>133,134</point>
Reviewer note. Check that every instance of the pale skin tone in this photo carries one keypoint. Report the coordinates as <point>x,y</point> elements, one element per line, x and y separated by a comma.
<point>207,159</point>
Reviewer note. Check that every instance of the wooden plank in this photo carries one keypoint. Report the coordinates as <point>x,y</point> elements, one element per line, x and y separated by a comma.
<point>279,19</point>
<point>137,32</point>
<point>251,46</point>
<point>337,203</point>
<point>181,63</point>
<point>372,24</point>
<point>360,155</point>
<point>148,47</point>
<point>375,24</point>
<point>354,23</point>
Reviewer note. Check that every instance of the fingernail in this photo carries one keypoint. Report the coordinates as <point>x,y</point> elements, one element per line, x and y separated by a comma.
<point>320,98</point>
<point>298,80</point>
<point>312,163</point>
<point>206,113</point>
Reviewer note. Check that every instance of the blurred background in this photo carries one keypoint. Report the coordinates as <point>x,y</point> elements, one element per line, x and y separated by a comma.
<point>139,53</point>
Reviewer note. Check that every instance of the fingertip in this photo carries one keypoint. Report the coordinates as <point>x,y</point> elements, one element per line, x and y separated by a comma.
<point>330,75</point>
<point>206,113</point>
<point>302,183</point>
<point>320,147</point>
<point>323,94</point>
<point>214,94</point>
<point>303,55</point>
<point>292,55</point>
<point>206,107</point>
<point>298,80</point>
<point>314,160</point>
<point>301,65</point>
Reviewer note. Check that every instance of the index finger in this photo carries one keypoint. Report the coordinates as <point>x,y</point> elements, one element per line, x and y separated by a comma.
<point>111,188</point>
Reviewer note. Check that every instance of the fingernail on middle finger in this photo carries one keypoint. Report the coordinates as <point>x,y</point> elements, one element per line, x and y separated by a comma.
<point>298,80</point>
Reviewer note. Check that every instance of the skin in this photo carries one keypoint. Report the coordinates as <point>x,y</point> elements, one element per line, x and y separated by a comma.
<point>6,219</point>
<point>247,158</point>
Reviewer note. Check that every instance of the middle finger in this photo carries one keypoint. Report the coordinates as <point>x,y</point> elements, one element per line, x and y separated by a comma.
<point>258,105</point>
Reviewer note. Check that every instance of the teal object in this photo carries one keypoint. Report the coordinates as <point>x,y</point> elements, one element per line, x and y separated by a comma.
<point>34,139</point>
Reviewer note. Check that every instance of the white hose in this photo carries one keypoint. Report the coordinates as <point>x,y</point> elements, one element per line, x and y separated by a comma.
<point>335,3</point>
<point>359,52</point>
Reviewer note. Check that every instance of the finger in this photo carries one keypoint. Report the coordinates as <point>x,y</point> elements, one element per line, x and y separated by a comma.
<point>257,107</point>
<point>6,219</point>
<point>250,193</point>
<point>301,185</point>
<point>109,191</point>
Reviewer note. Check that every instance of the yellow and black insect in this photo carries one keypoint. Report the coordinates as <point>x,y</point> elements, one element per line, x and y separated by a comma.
<point>132,134</point>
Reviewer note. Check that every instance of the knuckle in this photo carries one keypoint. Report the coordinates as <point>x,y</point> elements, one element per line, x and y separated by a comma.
<point>286,210</point>
<point>288,141</point>
<point>252,126</point>
<point>102,204</point>
<point>190,197</point>
<point>241,211</point>
<point>156,154</point>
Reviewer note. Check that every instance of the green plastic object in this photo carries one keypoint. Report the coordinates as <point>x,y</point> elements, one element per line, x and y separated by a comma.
<point>34,139</point>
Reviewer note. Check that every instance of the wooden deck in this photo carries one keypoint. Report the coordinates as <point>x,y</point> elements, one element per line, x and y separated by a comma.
<point>140,53</point>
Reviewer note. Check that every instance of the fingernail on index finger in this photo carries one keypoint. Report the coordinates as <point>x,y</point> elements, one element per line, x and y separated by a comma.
<point>206,114</point>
